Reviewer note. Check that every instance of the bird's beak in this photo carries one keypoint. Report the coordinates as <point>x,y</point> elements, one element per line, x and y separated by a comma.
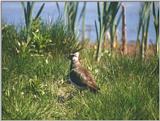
<point>70,56</point>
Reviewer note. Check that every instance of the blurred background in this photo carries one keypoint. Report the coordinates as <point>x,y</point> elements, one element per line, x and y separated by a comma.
<point>12,13</point>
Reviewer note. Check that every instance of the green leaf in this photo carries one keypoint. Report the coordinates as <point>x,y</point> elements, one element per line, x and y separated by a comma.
<point>83,10</point>
<point>25,13</point>
<point>40,10</point>
<point>96,30</point>
<point>119,19</point>
<point>58,8</point>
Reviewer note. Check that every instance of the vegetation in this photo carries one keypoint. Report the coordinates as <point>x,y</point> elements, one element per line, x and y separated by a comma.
<point>83,16</point>
<point>107,21</point>
<point>35,81</point>
<point>156,23</point>
<point>143,26</point>
<point>145,14</point>
<point>124,31</point>
<point>71,13</point>
<point>28,10</point>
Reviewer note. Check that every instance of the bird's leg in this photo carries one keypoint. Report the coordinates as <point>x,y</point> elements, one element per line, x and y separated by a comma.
<point>81,92</point>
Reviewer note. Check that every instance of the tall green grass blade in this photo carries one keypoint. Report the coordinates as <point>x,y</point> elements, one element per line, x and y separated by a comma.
<point>155,12</point>
<point>105,15</point>
<point>146,31</point>
<point>58,8</point>
<point>82,11</point>
<point>119,19</point>
<point>158,16</point>
<point>99,16</point>
<point>114,7</point>
<point>139,30</point>
<point>71,9</point>
<point>144,19</point>
<point>113,10</point>
<point>39,11</point>
<point>144,26</point>
<point>75,15</point>
<point>97,34</point>
<point>140,23</point>
<point>83,15</point>
<point>29,13</point>
<point>25,13</point>
<point>99,47</point>
<point>106,18</point>
<point>124,38</point>
<point>65,13</point>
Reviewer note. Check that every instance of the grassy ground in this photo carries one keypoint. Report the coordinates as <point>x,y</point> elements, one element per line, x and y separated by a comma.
<point>35,87</point>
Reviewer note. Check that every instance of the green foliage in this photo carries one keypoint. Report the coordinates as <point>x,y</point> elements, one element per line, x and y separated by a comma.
<point>58,8</point>
<point>113,10</point>
<point>83,16</point>
<point>107,20</point>
<point>54,37</point>
<point>34,78</point>
<point>61,40</point>
<point>34,87</point>
<point>71,15</point>
<point>155,10</point>
<point>28,10</point>
<point>44,38</point>
<point>40,38</point>
<point>144,19</point>
<point>9,39</point>
<point>71,9</point>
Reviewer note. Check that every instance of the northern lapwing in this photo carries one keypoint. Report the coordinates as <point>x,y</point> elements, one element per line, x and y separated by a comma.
<point>80,76</point>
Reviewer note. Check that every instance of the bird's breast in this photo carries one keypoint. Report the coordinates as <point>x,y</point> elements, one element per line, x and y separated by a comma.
<point>76,79</point>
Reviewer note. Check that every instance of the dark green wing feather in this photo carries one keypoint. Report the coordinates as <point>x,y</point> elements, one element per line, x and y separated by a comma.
<point>83,77</point>
<point>77,78</point>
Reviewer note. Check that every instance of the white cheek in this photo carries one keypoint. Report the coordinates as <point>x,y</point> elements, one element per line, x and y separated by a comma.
<point>75,59</point>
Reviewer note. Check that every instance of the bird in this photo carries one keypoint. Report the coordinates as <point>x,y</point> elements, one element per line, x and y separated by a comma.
<point>80,76</point>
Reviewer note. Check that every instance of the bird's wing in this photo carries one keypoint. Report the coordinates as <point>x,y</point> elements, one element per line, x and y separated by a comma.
<point>85,77</point>
<point>78,76</point>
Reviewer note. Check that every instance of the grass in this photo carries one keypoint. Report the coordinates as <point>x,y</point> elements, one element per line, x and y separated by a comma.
<point>37,88</point>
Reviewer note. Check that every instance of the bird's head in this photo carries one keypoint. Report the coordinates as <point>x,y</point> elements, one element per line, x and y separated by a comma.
<point>74,56</point>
